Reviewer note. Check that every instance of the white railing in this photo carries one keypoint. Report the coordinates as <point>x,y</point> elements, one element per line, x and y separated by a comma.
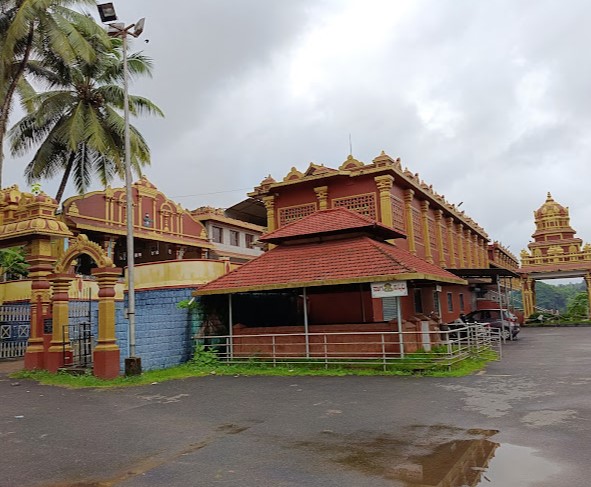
<point>417,349</point>
<point>15,312</point>
<point>12,349</point>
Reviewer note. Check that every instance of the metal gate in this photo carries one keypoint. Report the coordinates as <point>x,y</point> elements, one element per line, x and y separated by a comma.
<point>79,331</point>
<point>15,326</point>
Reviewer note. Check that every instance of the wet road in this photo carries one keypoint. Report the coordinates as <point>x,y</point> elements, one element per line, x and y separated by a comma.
<point>525,421</point>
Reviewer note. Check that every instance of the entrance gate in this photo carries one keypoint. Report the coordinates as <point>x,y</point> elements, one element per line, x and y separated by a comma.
<point>80,337</point>
<point>555,253</point>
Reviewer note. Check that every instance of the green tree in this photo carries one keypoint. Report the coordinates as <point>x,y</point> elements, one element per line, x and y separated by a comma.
<point>32,29</point>
<point>578,307</point>
<point>13,263</point>
<point>77,124</point>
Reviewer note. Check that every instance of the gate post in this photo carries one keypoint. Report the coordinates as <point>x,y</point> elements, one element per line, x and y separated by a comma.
<point>106,354</point>
<point>60,340</point>
<point>40,259</point>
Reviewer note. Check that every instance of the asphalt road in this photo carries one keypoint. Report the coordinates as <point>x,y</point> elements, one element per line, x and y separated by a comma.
<point>525,421</point>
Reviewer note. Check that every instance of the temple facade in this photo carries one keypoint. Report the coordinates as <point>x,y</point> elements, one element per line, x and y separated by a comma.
<point>429,226</point>
<point>555,252</point>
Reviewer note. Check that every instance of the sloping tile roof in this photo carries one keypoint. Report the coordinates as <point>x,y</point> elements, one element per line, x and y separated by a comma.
<point>332,221</point>
<point>343,261</point>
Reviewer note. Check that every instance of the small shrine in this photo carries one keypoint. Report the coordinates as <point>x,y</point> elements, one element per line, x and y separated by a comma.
<point>555,252</point>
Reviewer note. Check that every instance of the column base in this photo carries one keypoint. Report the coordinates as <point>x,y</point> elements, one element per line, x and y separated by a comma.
<point>34,357</point>
<point>106,363</point>
<point>56,359</point>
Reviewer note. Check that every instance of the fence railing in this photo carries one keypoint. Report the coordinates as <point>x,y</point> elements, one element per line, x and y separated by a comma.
<point>415,349</point>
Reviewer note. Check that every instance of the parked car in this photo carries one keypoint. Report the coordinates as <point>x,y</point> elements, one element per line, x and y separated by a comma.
<point>508,324</point>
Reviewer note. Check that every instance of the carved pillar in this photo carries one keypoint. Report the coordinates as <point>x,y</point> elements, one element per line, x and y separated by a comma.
<point>269,202</point>
<point>588,283</point>
<point>109,246</point>
<point>40,260</point>
<point>384,185</point>
<point>451,250</point>
<point>439,237</point>
<point>460,245</point>
<point>426,234</point>
<point>322,195</point>
<point>410,232</point>
<point>106,354</point>
<point>475,249</point>
<point>180,252</point>
<point>467,248</point>
<point>60,341</point>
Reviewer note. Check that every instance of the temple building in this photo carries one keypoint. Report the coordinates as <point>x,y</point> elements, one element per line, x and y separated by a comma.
<point>405,232</point>
<point>163,229</point>
<point>555,252</point>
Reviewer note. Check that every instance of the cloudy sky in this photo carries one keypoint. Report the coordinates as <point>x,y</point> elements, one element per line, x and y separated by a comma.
<point>487,100</point>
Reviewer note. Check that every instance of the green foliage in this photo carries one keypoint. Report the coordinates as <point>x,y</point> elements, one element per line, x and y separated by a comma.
<point>206,363</point>
<point>13,264</point>
<point>76,126</point>
<point>578,307</point>
<point>204,357</point>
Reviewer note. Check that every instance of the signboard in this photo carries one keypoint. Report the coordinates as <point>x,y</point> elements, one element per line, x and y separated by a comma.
<point>388,289</point>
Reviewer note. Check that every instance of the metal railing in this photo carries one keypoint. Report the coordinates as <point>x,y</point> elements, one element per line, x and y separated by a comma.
<point>417,349</point>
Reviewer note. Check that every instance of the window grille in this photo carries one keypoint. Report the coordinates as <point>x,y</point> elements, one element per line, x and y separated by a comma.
<point>295,213</point>
<point>364,204</point>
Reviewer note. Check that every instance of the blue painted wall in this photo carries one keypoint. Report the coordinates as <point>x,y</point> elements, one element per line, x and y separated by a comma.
<point>163,331</point>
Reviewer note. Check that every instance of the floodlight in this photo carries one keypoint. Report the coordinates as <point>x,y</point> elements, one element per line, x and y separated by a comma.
<point>139,27</point>
<point>107,12</point>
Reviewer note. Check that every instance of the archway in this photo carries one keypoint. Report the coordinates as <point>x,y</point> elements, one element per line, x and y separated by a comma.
<point>555,253</point>
<point>106,354</point>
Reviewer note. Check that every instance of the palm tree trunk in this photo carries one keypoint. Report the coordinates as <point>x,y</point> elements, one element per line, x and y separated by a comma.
<point>65,177</point>
<point>7,102</point>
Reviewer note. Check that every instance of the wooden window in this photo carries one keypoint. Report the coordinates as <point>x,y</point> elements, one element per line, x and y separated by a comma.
<point>450,302</point>
<point>249,241</point>
<point>217,234</point>
<point>234,238</point>
<point>461,302</point>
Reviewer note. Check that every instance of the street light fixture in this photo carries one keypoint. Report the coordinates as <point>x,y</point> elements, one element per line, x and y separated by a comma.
<point>133,364</point>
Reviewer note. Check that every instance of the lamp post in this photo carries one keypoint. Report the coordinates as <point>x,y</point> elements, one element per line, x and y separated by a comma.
<point>133,364</point>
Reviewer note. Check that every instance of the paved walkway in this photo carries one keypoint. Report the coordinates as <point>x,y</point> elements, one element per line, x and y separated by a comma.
<point>524,422</point>
<point>8,366</point>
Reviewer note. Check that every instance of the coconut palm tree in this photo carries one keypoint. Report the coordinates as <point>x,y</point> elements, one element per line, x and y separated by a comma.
<point>30,29</point>
<point>78,126</point>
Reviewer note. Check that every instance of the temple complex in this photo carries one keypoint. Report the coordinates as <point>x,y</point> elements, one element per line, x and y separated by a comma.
<point>336,235</point>
<point>555,252</point>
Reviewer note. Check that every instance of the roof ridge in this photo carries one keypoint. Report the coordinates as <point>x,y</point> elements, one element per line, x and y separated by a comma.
<point>380,246</point>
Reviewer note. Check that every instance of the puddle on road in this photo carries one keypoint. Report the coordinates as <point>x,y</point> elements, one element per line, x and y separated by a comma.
<point>435,456</point>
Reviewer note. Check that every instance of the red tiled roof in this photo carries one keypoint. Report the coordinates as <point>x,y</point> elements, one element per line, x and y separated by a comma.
<point>344,261</point>
<point>324,222</point>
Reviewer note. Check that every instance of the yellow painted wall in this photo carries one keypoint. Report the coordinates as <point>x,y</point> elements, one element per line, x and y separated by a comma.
<point>171,273</point>
<point>12,291</point>
<point>178,273</point>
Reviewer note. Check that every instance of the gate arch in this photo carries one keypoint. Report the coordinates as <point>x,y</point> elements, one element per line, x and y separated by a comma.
<point>106,354</point>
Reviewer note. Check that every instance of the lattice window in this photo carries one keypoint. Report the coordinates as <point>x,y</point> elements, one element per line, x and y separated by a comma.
<point>417,225</point>
<point>364,204</point>
<point>5,331</point>
<point>295,213</point>
<point>432,234</point>
<point>398,214</point>
<point>23,331</point>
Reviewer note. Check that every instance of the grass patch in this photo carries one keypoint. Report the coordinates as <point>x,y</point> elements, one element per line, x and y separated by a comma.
<point>410,366</point>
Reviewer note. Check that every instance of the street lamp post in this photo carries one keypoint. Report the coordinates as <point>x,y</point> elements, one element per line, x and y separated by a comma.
<point>133,364</point>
